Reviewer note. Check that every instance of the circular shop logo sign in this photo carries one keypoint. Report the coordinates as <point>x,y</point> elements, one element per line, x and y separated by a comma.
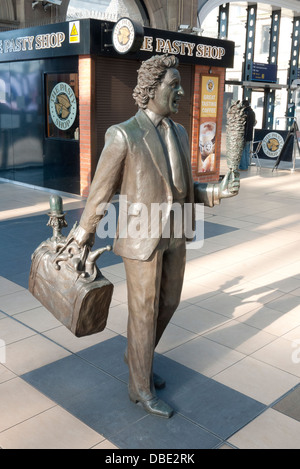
<point>272,144</point>
<point>63,107</point>
<point>127,36</point>
<point>123,35</point>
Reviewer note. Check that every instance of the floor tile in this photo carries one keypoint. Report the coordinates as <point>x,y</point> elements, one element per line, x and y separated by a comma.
<point>62,336</point>
<point>31,353</point>
<point>173,337</point>
<point>48,431</point>
<point>12,330</point>
<point>279,281</point>
<point>258,264</point>
<point>231,222</point>
<point>252,292</point>
<point>212,229</point>
<point>174,434</point>
<point>290,404</point>
<point>108,355</point>
<point>293,335</point>
<point>281,354</point>
<point>179,379</point>
<point>65,378</point>
<point>296,292</point>
<point>105,408</point>
<point>5,374</point>
<point>205,356</point>
<point>268,383</point>
<point>229,306</point>
<point>105,445</point>
<point>7,287</point>
<point>120,292</point>
<point>192,254</point>
<point>217,260</point>
<point>193,293</point>
<point>17,302</point>
<point>226,446</point>
<point>215,281</point>
<point>196,319</point>
<point>211,245</point>
<point>21,278</point>
<point>240,337</point>
<point>117,318</point>
<point>39,319</point>
<point>20,401</point>
<point>286,304</point>
<point>192,271</point>
<point>217,408</point>
<point>240,236</point>
<point>270,320</point>
<point>117,269</point>
<point>271,430</point>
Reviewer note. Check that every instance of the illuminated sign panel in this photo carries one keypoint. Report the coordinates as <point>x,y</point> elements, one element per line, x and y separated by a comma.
<point>264,72</point>
<point>88,36</point>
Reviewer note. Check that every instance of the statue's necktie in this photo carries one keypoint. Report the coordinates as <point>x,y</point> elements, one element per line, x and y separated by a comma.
<point>174,156</point>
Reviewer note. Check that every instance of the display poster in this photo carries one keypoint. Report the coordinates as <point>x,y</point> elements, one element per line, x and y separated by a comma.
<point>208,124</point>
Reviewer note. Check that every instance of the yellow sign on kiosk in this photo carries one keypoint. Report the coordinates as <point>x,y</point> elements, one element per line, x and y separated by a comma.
<point>74,32</point>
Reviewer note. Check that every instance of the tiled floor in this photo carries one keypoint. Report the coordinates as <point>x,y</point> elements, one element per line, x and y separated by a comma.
<point>230,356</point>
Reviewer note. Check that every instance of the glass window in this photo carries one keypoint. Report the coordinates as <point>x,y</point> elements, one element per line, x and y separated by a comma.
<point>62,106</point>
<point>265,39</point>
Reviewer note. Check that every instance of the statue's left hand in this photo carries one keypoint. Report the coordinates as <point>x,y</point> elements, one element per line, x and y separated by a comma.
<point>230,185</point>
<point>83,237</point>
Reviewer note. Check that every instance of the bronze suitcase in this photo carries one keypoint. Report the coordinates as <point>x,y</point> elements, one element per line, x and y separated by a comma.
<point>66,281</point>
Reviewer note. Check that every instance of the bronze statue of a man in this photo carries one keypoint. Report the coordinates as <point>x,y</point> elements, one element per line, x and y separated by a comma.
<point>147,159</point>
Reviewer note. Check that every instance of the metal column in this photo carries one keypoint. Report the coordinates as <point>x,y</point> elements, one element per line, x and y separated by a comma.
<point>268,119</point>
<point>223,20</point>
<point>249,47</point>
<point>292,73</point>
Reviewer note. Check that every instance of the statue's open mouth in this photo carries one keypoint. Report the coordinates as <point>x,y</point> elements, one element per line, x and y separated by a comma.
<point>176,103</point>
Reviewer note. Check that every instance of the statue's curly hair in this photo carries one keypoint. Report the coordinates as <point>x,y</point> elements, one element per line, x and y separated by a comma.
<point>150,75</point>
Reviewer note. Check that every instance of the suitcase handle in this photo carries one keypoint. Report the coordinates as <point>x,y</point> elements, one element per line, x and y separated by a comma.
<point>61,254</point>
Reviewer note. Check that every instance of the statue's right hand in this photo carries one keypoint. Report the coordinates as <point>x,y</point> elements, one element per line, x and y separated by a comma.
<point>83,237</point>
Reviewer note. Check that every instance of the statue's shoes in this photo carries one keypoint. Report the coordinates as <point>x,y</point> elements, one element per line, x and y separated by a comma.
<point>158,381</point>
<point>154,406</point>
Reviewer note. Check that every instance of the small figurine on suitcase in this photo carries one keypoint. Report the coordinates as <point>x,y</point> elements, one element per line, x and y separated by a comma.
<point>66,280</point>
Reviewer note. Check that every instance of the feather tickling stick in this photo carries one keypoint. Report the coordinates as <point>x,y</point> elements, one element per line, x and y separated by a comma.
<point>235,131</point>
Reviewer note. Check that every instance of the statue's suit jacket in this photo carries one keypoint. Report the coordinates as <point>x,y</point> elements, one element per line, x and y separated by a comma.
<point>133,163</point>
